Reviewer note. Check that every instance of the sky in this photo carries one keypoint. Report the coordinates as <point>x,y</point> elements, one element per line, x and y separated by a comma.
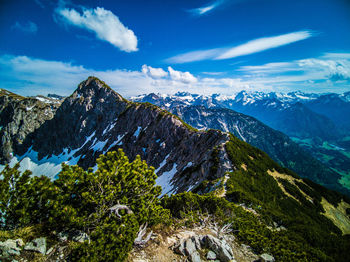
<point>199,46</point>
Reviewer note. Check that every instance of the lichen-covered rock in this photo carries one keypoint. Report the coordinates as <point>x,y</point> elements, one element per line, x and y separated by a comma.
<point>211,255</point>
<point>81,237</point>
<point>266,258</point>
<point>10,248</point>
<point>220,247</point>
<point>37,245</point>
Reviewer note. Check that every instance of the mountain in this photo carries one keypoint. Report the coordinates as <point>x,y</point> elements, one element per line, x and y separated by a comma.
<point>333,106</point>
<point>252,197</point>
<point>316,122</point>
<point>276,144</point>
<point>287,113</point>
<point>20,116</point>
<point>95,120</point>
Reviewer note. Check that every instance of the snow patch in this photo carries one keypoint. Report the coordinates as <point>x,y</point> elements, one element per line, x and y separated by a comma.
<point>165,180</point>
<point>137,132</point>
<point>162,164</point>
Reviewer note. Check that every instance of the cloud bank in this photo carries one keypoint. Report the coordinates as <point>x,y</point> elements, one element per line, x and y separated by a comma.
<point>30,76</point>
<point>104,24</point>
<point>251,47</point>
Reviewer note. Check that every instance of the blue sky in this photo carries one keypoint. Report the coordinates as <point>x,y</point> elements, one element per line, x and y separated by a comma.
<point>199,46</point>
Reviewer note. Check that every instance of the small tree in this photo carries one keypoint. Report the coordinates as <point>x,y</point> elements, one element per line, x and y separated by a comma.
<point>85,198</point>
<point>24,200</point>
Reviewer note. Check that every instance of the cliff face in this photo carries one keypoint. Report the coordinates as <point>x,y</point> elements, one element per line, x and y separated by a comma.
<point>95,120</point>
<point>19,117</point>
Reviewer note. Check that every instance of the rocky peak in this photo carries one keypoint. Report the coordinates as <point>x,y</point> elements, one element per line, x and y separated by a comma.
<point>95,119</point>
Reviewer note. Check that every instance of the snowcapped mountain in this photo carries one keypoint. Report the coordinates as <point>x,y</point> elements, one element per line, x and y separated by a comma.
<point>296,114</point>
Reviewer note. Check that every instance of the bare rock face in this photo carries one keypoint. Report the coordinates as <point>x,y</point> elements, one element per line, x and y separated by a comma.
<point>95,119</point>
<point>19,117</point>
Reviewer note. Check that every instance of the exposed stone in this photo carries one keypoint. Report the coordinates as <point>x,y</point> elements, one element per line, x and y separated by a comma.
<point>10,248</point>
<point>191,251</point>
<point>266,258</point>
<point>180,248</point>
<point>81,237</point>
<point>63,236</point>
<point>220,247</point>
<point>48,252</point>
<point>211,255</point>
<point>37,245</point>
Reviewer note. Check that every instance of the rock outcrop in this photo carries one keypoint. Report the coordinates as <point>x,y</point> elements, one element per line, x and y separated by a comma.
<point>19,117</point>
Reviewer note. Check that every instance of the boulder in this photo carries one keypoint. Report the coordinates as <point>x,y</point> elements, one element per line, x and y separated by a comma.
<point>10,248</point>
<point>211,255</point>
<point>266,258</point>
<point>81,237</point>
<point>191,251</point>
<point>220,247</point>
<point>63,236</point>
<point>37,245</point>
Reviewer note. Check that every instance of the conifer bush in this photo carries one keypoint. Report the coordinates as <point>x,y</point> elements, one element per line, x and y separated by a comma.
<point>80,200</point>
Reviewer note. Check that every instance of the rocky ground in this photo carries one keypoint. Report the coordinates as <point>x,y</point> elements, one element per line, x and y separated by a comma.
<point>195,244</point>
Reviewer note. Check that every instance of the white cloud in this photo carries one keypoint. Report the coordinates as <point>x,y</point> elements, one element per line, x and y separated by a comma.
<point>185,77</point>
<point>31,76</point>
<point>28,27</point>
<point>207,8</point>
<point>263,44</point>
<point>251,47</point>
<point>332,66</point>
<point>195,56</point>
<point>154,72</point>
<point>104,24</point>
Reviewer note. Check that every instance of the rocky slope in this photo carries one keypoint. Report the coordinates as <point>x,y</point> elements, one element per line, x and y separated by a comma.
<point>276,144</point>
<point>95,119</point>
<point>19,117</point>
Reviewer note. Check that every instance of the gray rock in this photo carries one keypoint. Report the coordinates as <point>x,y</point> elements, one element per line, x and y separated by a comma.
<point>190,247</point>
<point>180,248</point>
<point>267,258</point>
<point>81,237</point>
<point>220,247</point>
<point>63,236</point>
<point>211,255</point>
<point>48,252</point>
<point>197,240</point>
<point>10,248</point>
<point>37,245</point>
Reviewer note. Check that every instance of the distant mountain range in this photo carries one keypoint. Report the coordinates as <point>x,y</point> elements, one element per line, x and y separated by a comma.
<point>297,114</point>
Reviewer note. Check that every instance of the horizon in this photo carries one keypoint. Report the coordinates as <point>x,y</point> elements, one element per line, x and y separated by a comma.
<point>203,46</point>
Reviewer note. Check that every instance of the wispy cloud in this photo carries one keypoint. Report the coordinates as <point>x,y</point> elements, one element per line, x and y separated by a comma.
<point>263,44</point>
<point>104,24</point>
<point>28,27</point>
<point>39,3</point>
<point>251,47</point>
<point>207,8</point>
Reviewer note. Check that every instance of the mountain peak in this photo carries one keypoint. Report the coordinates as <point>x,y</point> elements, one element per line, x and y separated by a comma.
<point>93,82</point>
<point>95,88</point>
